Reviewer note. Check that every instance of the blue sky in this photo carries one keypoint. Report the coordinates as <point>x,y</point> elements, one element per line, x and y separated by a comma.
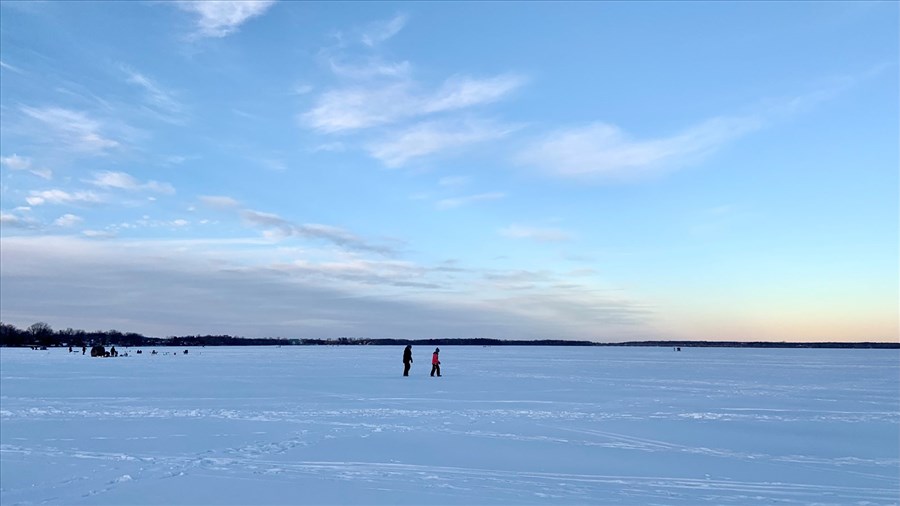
<point>603,171</point>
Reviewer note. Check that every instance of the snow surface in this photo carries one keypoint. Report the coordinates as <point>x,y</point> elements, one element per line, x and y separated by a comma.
<point>504,425</point>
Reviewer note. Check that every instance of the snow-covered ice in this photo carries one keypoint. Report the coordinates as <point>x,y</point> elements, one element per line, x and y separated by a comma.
<point>504,425</point>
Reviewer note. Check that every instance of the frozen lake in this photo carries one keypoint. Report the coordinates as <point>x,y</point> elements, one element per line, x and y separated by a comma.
<point>504,425</point>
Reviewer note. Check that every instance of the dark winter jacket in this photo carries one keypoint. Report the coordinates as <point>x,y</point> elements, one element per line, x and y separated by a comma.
<point>407,355</point>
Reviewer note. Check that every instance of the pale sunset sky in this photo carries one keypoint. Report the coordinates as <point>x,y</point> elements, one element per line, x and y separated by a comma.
<point>602,171</point>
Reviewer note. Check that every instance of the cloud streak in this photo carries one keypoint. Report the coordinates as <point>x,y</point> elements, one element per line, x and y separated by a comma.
<point>220,202</point>
<point>123,181</point>
<point>11,68</point>
<point>17,221</point>
<point>430,138</point>
<point>60,197</point>
<point>74,130</point>
<point>276,227</point>
<point>605,151</point>
<point>279,227</point>
<point>367,272</point>
<point>455,202</point>
<point>16,162</point>
<point>535,233</point>
<point>68,220</point>
<point>368,68</point>
<point>357,108</point>
<point>160,101</point>
<point>218,19</point>
<point>378,32</point>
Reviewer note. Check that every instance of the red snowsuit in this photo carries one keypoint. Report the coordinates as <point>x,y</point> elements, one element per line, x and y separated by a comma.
<point>435,364</point>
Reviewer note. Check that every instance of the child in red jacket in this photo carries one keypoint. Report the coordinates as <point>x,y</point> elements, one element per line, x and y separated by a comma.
<point>436,363</point>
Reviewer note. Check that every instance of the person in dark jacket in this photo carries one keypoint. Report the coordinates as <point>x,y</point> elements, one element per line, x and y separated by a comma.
<point>407,359</point>
<point>436,363</point>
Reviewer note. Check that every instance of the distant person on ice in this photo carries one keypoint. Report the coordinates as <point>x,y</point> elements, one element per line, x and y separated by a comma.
<point>407,359</point>
<point>436,363</point>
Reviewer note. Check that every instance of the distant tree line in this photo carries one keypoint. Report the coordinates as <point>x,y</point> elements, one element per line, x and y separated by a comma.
<point>41,334</point>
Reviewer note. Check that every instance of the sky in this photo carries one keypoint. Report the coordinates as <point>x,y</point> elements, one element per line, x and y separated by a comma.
<point>602,171</point>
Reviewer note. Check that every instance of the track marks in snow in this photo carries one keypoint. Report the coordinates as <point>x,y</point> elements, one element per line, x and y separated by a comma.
<point>500,484</point>
<point>555,485</point>
<point>618,440</point>
<point>782,416</point>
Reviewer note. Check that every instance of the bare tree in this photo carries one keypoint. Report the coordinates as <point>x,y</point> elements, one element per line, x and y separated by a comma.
<point>40,329</point>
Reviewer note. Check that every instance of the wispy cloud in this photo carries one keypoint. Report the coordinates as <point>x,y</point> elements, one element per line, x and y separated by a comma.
<point>604,150</point>
<point>329,147</point>
<point>220,18</point>
<point>302,89</point>
<point>16,162</point>
<point>364,107</point>
<point>346,62</point>
<point>279,227</point>
<point>535,233</point>
<point>17,221</point>
<point>98,234</point>
<point>355,108</point>
<point>37,198</point>
<point>365,271</point>
<point>433,137</point>
<point>74,130</point>
<point>160,101</point>
<point>43,173</point>
<point>220,202</point>
<point>146,222</point>
<point>176,159</point>
<point>380,31</point>
<point>123,181</point>
<point>368,68</point>
<point>463,91</point>
<point>461,201</point>
<point>781,108</point>
<point>68,220</point>
<point>11,68</point>
<point>82,95</point>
